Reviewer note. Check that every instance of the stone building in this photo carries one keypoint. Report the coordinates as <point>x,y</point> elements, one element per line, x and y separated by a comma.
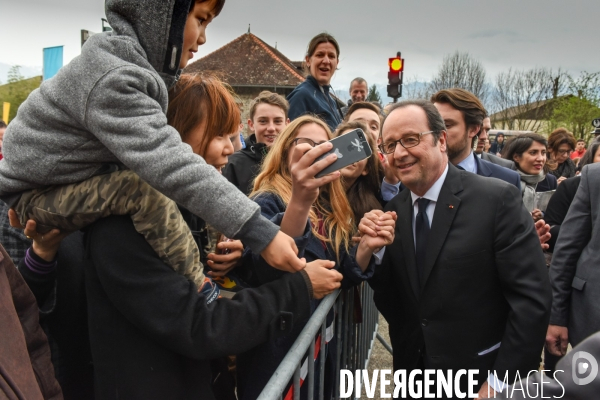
<point>250,66</point>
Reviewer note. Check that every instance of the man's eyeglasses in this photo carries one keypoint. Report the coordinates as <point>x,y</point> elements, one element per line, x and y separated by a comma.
<point>407,142</point>
<point>300,140</point>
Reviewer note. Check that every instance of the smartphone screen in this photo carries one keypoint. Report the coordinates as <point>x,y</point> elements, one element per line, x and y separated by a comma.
<point>349,148</point>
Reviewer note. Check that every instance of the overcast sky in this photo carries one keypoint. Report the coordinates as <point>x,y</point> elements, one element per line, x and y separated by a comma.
<point>501,34</point>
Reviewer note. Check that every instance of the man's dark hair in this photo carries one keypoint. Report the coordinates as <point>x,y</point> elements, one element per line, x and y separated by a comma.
<point>467,103</point>
<point>434,119</point>
<point>2,124</point>
<point>363,104</point>
<point>581,141</point>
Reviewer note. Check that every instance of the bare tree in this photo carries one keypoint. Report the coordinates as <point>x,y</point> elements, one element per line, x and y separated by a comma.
<point>415,88</point>
<point>461,70</point>
<point>523,97</point>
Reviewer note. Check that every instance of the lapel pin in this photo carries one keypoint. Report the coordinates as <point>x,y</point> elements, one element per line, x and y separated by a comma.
<point>450,206</point>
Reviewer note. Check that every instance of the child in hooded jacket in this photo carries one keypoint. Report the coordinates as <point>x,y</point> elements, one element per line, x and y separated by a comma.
<point>94,141</point>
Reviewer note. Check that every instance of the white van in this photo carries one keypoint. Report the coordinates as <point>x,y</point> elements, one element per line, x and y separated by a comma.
<point>492,133</point>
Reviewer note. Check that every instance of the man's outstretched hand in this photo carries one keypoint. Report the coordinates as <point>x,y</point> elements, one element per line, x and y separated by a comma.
<point>543,231</point>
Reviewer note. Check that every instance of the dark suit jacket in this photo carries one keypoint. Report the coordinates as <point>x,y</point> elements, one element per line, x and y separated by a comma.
<point>490,170</point>
<point>558,206</point>
<point>485,281</point>
<point>494,159</point>
<point>574,270</point>
<point>563,386</point>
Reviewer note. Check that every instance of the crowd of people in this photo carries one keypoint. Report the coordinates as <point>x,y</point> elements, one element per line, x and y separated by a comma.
<point>165,258</point>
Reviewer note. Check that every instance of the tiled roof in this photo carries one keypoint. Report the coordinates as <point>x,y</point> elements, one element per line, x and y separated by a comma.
<point>248,61</point>
<point>535,110</point>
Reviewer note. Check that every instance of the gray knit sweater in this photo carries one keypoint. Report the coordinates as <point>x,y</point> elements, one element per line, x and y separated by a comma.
<point>107,107</point>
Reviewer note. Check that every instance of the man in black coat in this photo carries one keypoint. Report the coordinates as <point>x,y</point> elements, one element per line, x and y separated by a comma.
<point>468,290</point>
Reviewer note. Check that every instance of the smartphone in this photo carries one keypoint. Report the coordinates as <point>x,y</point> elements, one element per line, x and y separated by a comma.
<point>350,148</point>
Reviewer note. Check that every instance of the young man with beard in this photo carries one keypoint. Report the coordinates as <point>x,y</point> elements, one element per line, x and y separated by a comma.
<point>463,115</point>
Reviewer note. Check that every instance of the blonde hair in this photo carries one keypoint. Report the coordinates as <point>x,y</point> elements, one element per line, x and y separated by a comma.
<point>331,206</point>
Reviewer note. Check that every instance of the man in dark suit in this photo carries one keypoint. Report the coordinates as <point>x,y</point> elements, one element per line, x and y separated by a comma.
<point>574,270</point>
<point>464,285</point>
<point>463,115</point>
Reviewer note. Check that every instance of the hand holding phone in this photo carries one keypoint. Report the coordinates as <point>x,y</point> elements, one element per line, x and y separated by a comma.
<point>349,148</point>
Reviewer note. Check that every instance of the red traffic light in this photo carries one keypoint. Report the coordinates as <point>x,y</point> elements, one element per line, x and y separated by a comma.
<point>396,64</point>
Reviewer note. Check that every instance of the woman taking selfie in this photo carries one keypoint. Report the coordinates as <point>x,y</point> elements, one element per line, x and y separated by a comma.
<point>316,212</point>
<point>313,96</point>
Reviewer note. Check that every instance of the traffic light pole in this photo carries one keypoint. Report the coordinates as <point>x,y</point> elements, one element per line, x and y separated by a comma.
<point>395,77</point>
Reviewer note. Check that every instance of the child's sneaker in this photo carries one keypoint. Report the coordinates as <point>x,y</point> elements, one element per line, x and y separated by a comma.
<point>210,290</point>
<point>229,285</point>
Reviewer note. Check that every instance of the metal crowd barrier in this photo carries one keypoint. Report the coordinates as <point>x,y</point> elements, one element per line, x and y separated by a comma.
<point>354,341</point>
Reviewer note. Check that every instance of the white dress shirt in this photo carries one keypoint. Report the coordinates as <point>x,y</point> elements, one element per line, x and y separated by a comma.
<point>432,194</point>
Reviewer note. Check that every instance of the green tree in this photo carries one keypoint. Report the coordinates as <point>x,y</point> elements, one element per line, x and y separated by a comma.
<point>17,89</point>
<point>14,74</point>
<point>374,95</point>
<point>576,112</point>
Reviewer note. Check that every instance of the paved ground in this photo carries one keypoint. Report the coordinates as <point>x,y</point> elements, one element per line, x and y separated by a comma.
<point>380,357</point>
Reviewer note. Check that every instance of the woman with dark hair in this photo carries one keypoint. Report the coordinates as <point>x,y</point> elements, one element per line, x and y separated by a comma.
<point>560,145</point>
<point>529,152</point>
<point>313,96</point>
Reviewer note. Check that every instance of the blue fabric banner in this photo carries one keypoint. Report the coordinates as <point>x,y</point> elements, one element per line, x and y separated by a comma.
<point>53,61</point>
